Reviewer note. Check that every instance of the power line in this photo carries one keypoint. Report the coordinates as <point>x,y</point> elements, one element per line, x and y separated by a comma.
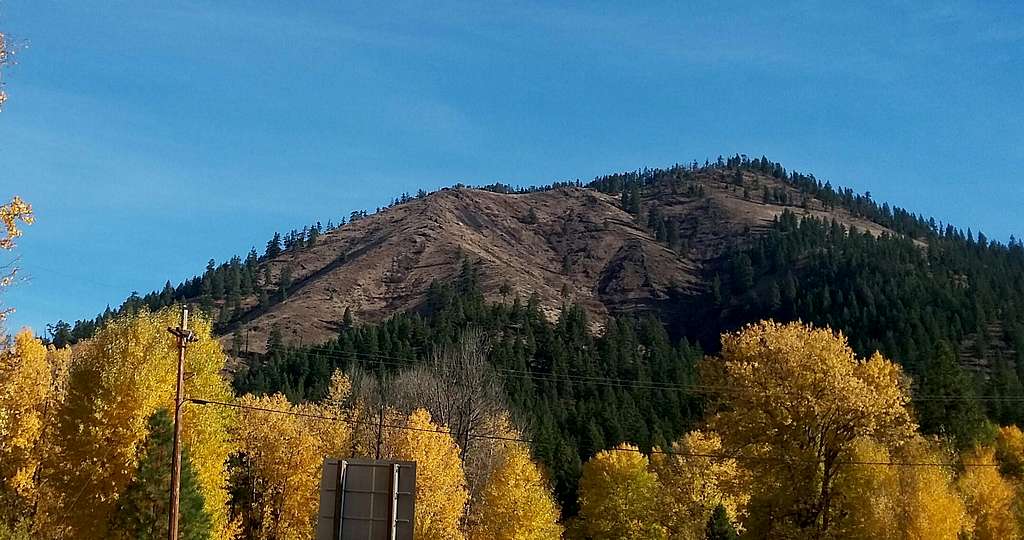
<point>555,377</point>
<point>694,455</point>
<point>626,383</point>
<point>651,385</point>
<point>551,377</point>
<point>805,461</point>
<point>200,401</point>
<point>632,383</point>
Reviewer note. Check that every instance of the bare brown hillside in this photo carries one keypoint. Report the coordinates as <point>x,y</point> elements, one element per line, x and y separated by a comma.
<point>573,242</point>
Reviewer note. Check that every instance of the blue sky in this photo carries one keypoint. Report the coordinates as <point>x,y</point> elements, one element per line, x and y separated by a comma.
<point>153,136</point>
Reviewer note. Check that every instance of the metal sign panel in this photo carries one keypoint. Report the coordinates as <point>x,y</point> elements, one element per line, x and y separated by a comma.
<point>366,500</point>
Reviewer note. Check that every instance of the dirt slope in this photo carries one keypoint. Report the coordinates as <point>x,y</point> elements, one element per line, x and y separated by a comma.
<point>576,241</point>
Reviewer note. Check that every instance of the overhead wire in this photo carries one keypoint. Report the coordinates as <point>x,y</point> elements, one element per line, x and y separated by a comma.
<point>201,401</point>
<point>396,361</point>
<point>676,453</point>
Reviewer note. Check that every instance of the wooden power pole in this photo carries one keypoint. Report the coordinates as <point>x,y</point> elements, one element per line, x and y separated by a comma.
<point>184,336</point>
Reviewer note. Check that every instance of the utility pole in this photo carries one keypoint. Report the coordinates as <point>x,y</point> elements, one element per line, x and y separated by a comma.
<point>185,337</point>
<point>380,409</point>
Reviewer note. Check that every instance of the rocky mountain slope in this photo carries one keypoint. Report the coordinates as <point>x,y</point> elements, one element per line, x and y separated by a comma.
<point>566,243</point>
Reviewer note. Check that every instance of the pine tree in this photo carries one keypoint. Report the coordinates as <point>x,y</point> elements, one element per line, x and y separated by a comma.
<point>719,527</point>
<point>959,417</point>
<point>167,295</point>
<point>634,201</point>
<point>143,507</point>
<point>264,299</point>
<point>284,282</point>
<point>1004,383</point>
<point>275,340</point>
<point>716,291</point>
<point>531,216</point>
<point>671,232</point>
<point>252,259</point>
<point>274,246</point>
<point>207,280</point>
<point>773,300</point>
<point>236,343</point>
<point>742,273</point>
<point>217,283</point>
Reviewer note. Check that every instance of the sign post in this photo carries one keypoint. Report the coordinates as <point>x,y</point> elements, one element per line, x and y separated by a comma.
<point>366,500</point>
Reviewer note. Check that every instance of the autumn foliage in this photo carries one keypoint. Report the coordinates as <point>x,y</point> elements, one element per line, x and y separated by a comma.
<point>33,381</point>
<point>12,216</point>
<point>797,398</point>
<point>117,381</point>
<point>694,485</point>
<point>805,441</point>
<point>802,439</point>
<point>990,498</point>
<point>441,493</point>
<point>619,496</point>
<point>278,462</point>
<point>516,503</point>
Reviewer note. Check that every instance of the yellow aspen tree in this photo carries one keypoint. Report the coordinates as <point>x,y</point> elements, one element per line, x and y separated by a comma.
<point>46,516</point>
<point>516,502</point>
<point>1010,451</point>
<point>989,497</point>
<point>930,507</point>
<point>333,432</point>
<point>619,496</point>
<point>797,398</point>
<point>1009,446</point>
<point>871,494</point>
<point>59,361</point>
<point>11,214</point>
<point>441,492</point>
<point>25,391</point>
<point>118,379</point>
<point>33,380</point>
<point>692,486</point>
<point>906,494</point>
<point>281,450</point>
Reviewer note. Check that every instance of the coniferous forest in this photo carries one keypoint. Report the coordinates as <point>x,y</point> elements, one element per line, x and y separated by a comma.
<point>348,271</point>
<point>929,308</point>
<point>647,405</point>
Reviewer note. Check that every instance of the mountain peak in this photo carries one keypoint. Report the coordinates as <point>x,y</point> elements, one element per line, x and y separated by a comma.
<point>562,244</point>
